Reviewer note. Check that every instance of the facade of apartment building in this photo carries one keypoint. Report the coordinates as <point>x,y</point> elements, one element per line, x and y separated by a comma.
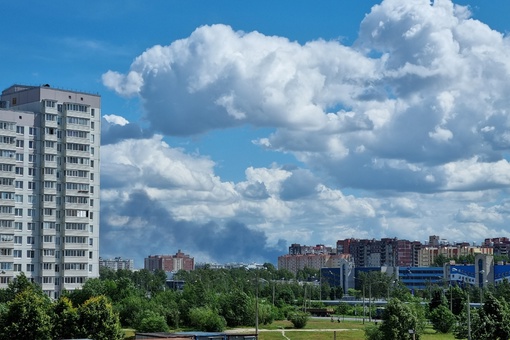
<point>386,252</point>
<point>170,263</point>
<point>298,249</point>
<point>117,263</point>
<point>428,254</point>
<point>500,245</point>
<point>294,263</point>
<point>49,186</point>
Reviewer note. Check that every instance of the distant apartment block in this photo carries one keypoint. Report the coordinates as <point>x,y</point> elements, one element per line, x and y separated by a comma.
<point>428,254</point>
<point>499,245</point>
<point>392,252</point>
<point>297,249</point>
<point>315,257</point>
<point>117,263</point>
<point>389,252</point>
<point>170,263</point>
<point>49,186</point>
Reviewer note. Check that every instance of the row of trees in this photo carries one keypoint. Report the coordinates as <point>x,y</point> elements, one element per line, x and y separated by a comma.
<point>447,311</point>
<point>211,299</point>
<point>214,299</point>
<point>27,313</point>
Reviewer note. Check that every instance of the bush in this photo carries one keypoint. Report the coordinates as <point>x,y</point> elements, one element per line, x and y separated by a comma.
<point>344,309</point>
<point>151,322</point>
<point>205,319</point>
<point>299,319</point>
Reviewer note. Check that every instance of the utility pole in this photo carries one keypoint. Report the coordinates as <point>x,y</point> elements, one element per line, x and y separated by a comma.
<point>363,301</point>
<point>469,317</point>
<point>273,292</point>
<point>370,300</point>
<point>257,305</point>
<point>320,283</point>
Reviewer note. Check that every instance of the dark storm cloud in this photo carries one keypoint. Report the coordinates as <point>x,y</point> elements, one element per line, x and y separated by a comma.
<point>150,229</point>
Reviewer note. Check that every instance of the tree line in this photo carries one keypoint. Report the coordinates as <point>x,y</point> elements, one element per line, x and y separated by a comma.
<point>449,311</point>
<point>213,299</point>
<point>27,313</point>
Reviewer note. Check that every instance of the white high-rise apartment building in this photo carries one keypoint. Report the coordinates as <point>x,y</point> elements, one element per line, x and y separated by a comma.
<point>49,186</point>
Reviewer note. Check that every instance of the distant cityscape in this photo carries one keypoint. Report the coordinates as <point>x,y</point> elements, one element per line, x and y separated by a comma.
<point>415,264</point>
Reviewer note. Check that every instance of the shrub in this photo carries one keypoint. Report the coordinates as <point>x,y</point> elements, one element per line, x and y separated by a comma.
<point>151,322</point>
<point>299,319</point>
<point>205,319</point>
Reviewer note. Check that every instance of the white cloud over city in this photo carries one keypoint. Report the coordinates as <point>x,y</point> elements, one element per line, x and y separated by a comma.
<point>405,133</point>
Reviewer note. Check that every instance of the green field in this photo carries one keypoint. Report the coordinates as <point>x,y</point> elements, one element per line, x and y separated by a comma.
<point>321,329</point>
<point>325,329</point>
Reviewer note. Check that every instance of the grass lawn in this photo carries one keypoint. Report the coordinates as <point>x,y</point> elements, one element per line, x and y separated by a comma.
<point>348,330</point>
<point>321,329</point>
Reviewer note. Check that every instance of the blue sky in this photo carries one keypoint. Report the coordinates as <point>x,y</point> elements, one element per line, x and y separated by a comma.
<point>233,129</point>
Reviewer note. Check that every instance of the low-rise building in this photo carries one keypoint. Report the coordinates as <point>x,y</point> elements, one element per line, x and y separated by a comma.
<point>117,263</point>
<point>170,263</point>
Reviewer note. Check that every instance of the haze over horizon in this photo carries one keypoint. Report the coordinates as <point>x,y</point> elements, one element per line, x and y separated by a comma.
<point>232,130</point>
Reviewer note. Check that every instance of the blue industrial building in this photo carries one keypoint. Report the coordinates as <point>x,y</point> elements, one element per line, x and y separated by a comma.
<point>480,274</point>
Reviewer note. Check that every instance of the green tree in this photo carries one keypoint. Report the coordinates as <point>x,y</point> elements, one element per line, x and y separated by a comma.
<point>458,300</point>
<point>373,332</point>
<point>437,299</point>
<point>440,261</point>
<point>267,313</point>
<point>460,330</point>
<point>98,320</point>
<point>401,292</point>
<point>149,282</point>
<point>398,318</point>
<point>442,319</point>
<point>306,274</point>
<point>493,321</point>
<point>151,322</point>
<point>165,303</point>
<point>503,290</point>
<point>18,285</point>
<point>130,308</point>
<point>343,308</point>
<point>284,295</point>
<point>65,319</point>
<point>206,319</point>
<point>28,317</point>
<point>91,288</point>
<point>284,274</point>
<point>235,308</point>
